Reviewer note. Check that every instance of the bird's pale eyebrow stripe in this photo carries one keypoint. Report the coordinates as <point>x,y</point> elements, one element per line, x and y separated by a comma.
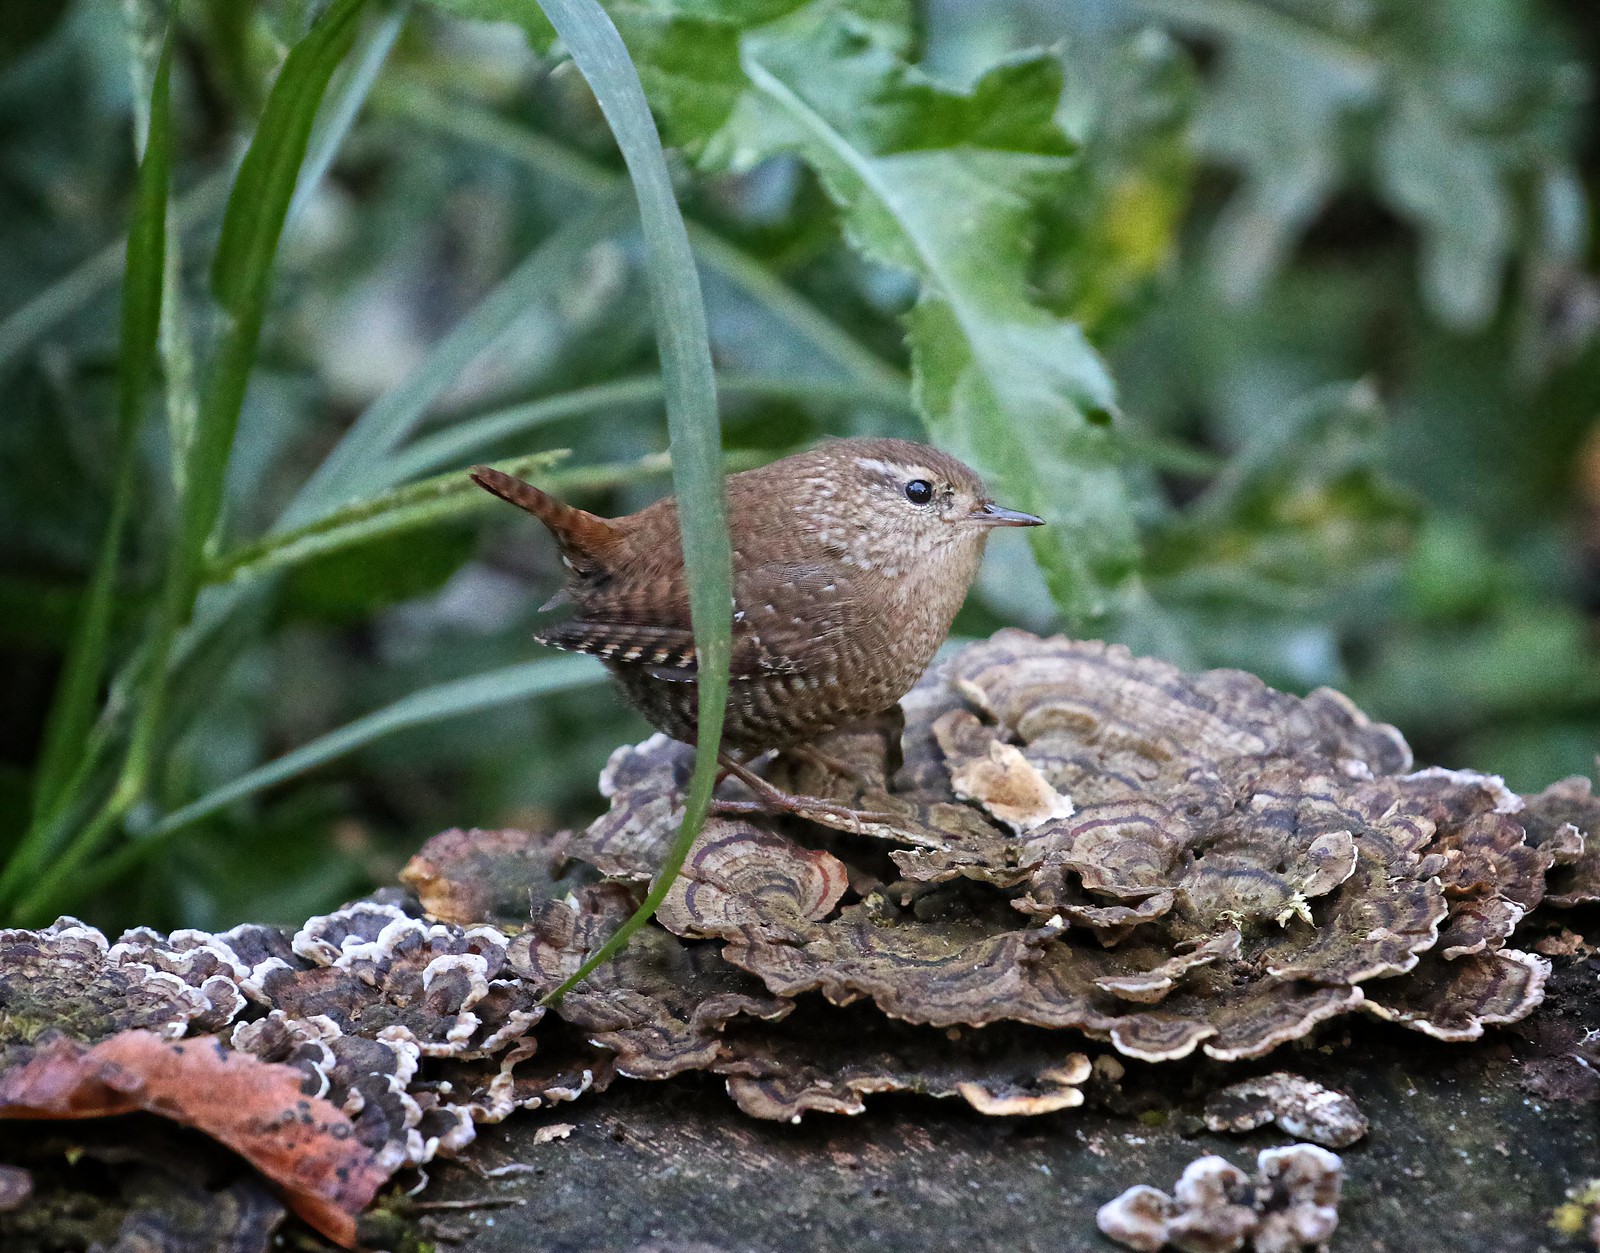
<point>891,471</point>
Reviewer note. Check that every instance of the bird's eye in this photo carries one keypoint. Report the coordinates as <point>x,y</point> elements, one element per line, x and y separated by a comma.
<point>919,491</point>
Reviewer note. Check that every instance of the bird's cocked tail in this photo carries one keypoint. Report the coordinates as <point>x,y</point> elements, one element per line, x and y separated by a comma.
<point>587,541</point>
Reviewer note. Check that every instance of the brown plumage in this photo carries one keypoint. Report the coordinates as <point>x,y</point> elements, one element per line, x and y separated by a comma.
<point>849,563</point>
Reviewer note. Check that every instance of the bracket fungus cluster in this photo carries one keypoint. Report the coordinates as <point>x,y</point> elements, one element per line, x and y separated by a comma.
<point>1052,847</point>
<point>1065,836</point>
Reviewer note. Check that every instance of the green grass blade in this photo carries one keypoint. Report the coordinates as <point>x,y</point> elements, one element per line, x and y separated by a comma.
<point>241,276</point>
<point>440,499</point>
<point>475,125</point>
<point>341,114</point>
<point>358,467</point>
<point>444,498</point>
<point>358,464</point>
<point>458,444</point>
<point>691,413</point>
<point>242,281</point>
<point>24,327</point>
<point>74,709</point>
<point>455,699</point>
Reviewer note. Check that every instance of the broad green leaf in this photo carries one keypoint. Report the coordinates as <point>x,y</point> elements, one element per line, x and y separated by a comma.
<point>1290,154</point>
<point>1444,108</point>
<point>946,185</point>
<point>1446,181</point>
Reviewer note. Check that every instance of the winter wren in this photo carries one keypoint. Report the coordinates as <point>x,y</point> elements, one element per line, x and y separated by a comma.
<point>849,563</point>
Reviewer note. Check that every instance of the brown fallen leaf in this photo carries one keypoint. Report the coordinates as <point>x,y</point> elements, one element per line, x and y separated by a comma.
<point>303,1144</point>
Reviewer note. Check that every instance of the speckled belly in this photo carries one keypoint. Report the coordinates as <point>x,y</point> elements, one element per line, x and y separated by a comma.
<point>762,713</point>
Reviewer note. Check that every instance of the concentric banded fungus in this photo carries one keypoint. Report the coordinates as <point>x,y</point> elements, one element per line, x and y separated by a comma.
<point>1216,864</point>
<point>440,987</point>
<point>829,1063</point>
<point>660,1007</point>
<point>645,784</point>
<point>366,1079</point>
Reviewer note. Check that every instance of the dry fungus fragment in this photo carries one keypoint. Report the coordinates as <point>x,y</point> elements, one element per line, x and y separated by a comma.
<point>857,765</point>
<point>1564,820</point>
<point>1297,1106</point>
<point>470,877</point>
<point>303,1144</point>
<point>831,1064</point>
<point>1292,1203</point>
<point>995,775</point>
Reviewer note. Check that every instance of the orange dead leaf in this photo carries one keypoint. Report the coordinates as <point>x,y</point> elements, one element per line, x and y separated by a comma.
<point>303,1144</point>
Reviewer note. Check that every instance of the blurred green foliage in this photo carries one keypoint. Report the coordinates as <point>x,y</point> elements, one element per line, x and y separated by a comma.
<point>1283,310</point>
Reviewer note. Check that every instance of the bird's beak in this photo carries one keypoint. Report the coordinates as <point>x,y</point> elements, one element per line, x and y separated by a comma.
<point>991,514</point>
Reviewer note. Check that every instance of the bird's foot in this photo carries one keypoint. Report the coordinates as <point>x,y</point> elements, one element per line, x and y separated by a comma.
<point>771,798</point>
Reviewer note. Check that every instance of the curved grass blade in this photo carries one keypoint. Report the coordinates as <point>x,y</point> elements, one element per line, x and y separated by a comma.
<point>691,399</point>
<point>358,466</point>
<point>444,498</point>
<point>359,463</point>
<point>457,444</point>
<point>346,106</point>
<point>74,709</point>
<point>473,124</point>
<point>454,699</point>
<point>241,277</point>
<point>440,499</point>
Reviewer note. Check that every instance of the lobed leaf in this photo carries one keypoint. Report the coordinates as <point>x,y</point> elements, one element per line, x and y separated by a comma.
<point>945,185</point>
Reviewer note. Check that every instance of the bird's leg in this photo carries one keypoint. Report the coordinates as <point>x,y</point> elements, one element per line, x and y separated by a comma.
<point>773,798</point>
<point>828,762</point>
